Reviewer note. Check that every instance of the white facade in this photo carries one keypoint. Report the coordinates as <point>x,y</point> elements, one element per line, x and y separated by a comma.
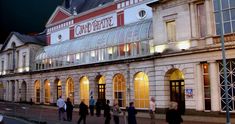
<point>60,35</point>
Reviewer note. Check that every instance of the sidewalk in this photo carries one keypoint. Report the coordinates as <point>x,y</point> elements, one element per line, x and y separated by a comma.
<point>49,114</point>
<point>191,118</point>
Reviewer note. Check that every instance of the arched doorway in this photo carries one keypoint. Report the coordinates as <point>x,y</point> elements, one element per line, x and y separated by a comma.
<point>177,88</point>
<point>37,91</point>
<point>47,91</point>
<point>58,87</point>
<point>101,89</point>
<point>23,91</point>
<point>141,85</point>
<point>119,89</point>
<point>70,89</point>
<point>84,90</point>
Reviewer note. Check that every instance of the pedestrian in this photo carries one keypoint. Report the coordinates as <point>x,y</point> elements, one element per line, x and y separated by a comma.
<point>92,105</point>
<point>173,116</point>
<point>131,113</point>
<point>61,110</point>
<point>69,109</point>
<point>152,110</point>
<point>83,111</point>
<point>98,108</point>
<point>116,112</point>
<point>107,113</point>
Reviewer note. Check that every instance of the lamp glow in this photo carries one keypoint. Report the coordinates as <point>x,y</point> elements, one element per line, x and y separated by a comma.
<point>183,45</point>
<point>160,48</point>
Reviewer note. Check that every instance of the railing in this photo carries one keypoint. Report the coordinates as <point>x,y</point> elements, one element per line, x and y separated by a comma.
<point>227,38</point>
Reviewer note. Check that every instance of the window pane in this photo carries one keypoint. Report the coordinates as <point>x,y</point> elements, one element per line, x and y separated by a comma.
<point>232,3</point>
<point>227,27</point>
<point>217,17</point>
<point>224,4</point>
<point>233,25</point>
<point>233,13</point>
<point>216,8</point>
<point>226,15</point>
<point>218,29</point>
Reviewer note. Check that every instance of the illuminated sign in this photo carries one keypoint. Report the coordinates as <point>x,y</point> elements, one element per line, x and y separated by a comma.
<point>94,25</point>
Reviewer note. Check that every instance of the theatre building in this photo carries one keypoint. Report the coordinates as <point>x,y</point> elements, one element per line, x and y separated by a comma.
<point>128,50</point>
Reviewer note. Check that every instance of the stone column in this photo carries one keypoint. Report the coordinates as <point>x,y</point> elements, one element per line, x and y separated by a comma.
<point>209,18</point>
<point>16,99</point>
<point>209,21</point>
<point>10,91</point>
<point>7,91</point>
<point>76,90</point>
<point>214,86</point>
<point>200,96</point>
<point>41,90</point>
<point>63,86</point>
<point>193,20</point>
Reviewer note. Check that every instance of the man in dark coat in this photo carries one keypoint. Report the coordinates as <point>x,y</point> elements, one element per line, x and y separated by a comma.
<point>173,116</point>
<point>107,114</point>
<point>69,109</point>
<point>98,108</point>
<point>83,111</point>
<point>131,114</point>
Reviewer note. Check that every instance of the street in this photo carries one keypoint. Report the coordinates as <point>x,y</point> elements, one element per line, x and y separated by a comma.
<point>49,114</point>
<point>12,121</point>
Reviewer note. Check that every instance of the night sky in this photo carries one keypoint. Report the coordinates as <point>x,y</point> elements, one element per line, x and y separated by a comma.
<point>25,16</point>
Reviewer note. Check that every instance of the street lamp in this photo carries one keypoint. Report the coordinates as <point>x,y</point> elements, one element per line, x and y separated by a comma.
<point>224,62</point>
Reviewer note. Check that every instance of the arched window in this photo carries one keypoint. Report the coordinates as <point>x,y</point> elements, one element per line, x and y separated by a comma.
<point>84,90</point>
<point>119,89</point>
<point>141,85</point>
<point>47,91</point>
<point>37,91</point>
<point>70,89</point>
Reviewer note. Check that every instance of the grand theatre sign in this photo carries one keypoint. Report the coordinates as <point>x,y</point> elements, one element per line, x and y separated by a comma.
<point>95,25</point>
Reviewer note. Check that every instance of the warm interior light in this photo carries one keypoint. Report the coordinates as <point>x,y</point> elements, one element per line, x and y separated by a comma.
<point>20,69</point>
<point>26,68</point>
<point>77,56</point>
<point>160,48</point>
<point>92,53</point>
<point>126,48</point>
<point>110,50</point>
<point>183,45</point>
<point>50,61</point>
<point>68,58</point>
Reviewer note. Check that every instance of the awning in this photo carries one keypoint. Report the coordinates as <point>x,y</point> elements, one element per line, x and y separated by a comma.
<point>138,31</point>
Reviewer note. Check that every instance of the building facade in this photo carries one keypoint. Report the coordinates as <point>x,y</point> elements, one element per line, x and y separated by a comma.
<point>128,50</point>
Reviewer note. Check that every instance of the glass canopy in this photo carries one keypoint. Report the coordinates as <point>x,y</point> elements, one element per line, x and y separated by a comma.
<point>139,31</point>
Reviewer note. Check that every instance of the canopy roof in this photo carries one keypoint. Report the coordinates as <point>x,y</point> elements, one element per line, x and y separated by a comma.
<point>138,31</point>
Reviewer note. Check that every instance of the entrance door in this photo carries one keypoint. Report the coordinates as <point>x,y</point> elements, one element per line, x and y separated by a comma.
<point>177,94</point>
<point>101,93</point>
<point>37,95</point>
<point>59,91</point>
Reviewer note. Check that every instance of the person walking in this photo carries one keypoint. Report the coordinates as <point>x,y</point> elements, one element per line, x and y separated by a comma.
<point>152,110</point>
<point>69,109</point>
<point>107,113</point>
<point>83,111</point>
<point>173,116</point>
<point>92,105</point>
<point>98,108</point>
<point>61,104</point>
<point>116,112</point>
<point>131,113</point>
